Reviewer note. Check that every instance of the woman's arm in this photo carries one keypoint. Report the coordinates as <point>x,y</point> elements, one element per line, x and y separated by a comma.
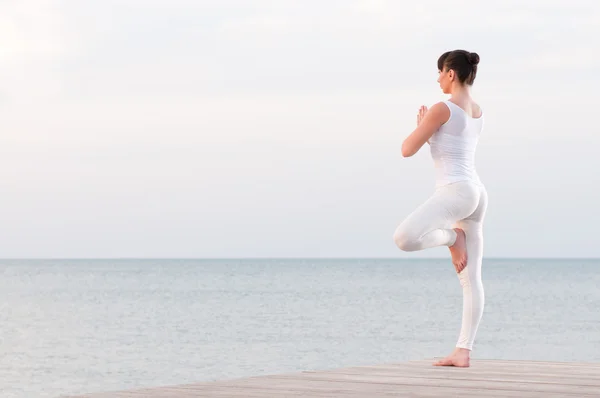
<point>428,122</point>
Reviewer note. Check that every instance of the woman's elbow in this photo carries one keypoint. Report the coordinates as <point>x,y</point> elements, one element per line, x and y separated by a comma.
<point>406,151</point>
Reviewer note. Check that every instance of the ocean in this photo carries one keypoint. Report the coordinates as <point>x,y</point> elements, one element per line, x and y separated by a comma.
<point>82,326</point>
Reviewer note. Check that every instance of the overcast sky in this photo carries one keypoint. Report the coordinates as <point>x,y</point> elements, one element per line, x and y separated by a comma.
<point>222,128</point>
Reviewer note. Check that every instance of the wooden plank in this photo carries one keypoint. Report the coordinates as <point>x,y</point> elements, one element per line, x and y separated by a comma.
<point>373,384</point>
<point>489,378</point>
<point>591,380</point>
<point>500,372</point>
<point>528,362</point>
<point>398,391</point>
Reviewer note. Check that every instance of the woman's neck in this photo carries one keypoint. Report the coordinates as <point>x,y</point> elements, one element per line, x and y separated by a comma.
<point>460,92</point>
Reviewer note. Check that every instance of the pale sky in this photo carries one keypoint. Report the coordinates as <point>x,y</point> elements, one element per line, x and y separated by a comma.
<point>230,128</point>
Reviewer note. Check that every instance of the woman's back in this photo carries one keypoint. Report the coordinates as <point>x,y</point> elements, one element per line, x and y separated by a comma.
<point>453,146</point>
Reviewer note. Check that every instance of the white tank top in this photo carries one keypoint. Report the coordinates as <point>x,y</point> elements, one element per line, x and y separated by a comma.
<point>453,147</point>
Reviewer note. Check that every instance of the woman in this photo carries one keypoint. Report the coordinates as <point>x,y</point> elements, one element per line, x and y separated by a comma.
<point>454,214</point>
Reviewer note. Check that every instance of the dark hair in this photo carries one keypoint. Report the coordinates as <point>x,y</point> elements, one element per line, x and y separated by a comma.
<point>462,62</point>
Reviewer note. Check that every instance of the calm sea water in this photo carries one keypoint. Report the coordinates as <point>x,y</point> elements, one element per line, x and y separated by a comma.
<point>79,326</point>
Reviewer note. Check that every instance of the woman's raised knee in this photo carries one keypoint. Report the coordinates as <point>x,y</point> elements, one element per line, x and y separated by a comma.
<point>405,240</point>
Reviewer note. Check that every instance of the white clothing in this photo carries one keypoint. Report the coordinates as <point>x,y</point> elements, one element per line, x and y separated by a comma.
<point>459,201</point>
<point>453,147</point>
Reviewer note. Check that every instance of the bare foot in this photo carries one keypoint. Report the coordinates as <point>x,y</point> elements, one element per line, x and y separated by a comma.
<point>460,357</point>
<point>459,250</point>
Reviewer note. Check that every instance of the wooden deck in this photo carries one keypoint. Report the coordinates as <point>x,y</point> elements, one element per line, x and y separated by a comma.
<point>485,378</point>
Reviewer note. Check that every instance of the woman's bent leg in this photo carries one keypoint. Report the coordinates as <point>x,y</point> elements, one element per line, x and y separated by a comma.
<point>430,225</point>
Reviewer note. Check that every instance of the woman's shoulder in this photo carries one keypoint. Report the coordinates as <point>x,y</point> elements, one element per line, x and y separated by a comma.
<point>441,111</point>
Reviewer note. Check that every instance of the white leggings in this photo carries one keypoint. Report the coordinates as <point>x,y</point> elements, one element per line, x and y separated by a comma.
<point>457,205</point>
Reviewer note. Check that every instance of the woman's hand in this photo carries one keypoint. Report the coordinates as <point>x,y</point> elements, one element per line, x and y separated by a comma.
<point>428,122</point>
<point>421,114</point>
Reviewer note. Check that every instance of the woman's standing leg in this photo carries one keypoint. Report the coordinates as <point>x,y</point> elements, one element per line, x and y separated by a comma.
<point>472,286</point>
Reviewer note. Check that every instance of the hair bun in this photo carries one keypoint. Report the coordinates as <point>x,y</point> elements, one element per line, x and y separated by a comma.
<point>473,58</point>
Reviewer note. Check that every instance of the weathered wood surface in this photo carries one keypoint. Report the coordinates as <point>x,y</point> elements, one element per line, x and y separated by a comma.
<point>485,378</point>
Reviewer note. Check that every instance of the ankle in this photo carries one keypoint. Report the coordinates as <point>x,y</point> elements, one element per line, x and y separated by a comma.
<point>464,351</point>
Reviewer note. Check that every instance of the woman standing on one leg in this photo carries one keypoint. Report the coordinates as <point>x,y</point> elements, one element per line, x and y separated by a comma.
<point>454,214</point>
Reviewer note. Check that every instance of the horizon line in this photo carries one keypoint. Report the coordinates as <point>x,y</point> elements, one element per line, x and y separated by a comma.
<point>296,258</point>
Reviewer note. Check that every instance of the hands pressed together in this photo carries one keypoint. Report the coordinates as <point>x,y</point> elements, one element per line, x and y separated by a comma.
<point>421,114</point>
